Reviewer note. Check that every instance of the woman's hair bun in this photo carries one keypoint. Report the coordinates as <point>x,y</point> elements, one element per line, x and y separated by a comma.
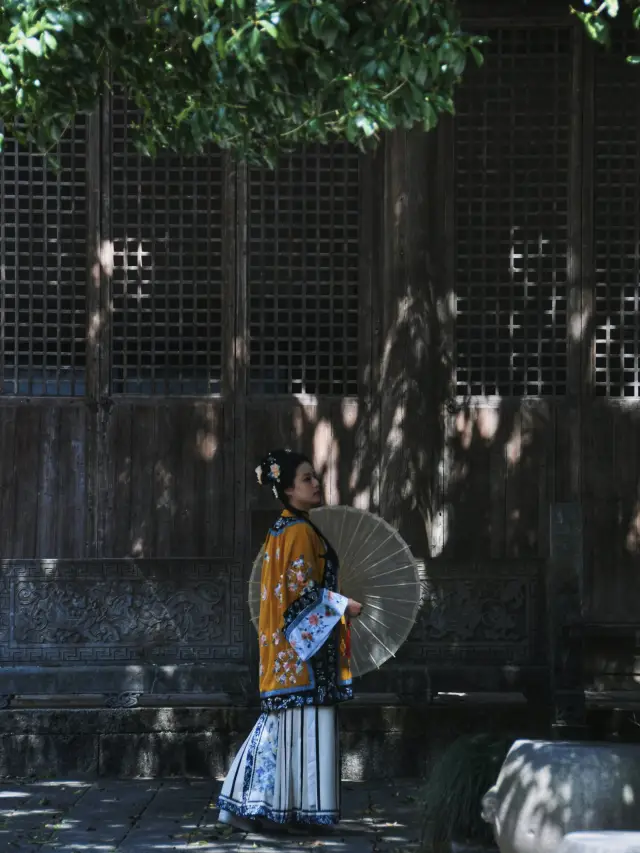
<point>278,470</point>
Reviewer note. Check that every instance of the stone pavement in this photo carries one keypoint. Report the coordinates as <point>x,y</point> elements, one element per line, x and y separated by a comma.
<point>164,815</point>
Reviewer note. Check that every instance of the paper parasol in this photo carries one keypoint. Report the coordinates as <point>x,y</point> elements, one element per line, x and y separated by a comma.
<point>378,570</point>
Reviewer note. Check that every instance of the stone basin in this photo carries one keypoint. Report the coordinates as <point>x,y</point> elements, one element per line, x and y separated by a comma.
<point>601,842</point>
<point>547,789</point>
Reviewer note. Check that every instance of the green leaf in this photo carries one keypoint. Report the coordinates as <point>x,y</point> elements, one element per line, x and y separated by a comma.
<point>254,41</point>
<point>195,44</point>
<point>458,61</point>
<point>633,60</point>
<point>405,64</point>
<point>596,28</point>
<point>477,55</point>
<point>65,21</point>
<point>352,130</point>
<point>636,17</point>
<point>287,38</point>
<point>329,34</point>
<point>430,117</point>
<point>50,40</point>
<point>371,68</point>
<point>269,28</point>
<point>221,44</point>
<point>422,73</point>
<point>6,70</point>
<point>384,71</point>
<point>365,125</point>
<point>315,23</point>
<point>33,46</point>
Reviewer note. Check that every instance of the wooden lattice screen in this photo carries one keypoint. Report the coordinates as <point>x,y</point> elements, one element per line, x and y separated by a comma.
<point>303,274</point>
<point>511,200</point>
<point>43,268</point>
<point>167,283</point>
<point>617,221</point>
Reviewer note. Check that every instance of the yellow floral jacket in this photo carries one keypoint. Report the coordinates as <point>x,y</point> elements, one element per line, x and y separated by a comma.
<point>303,632</point>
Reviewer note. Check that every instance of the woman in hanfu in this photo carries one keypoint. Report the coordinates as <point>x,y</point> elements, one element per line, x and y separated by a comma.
<point>288,770</point>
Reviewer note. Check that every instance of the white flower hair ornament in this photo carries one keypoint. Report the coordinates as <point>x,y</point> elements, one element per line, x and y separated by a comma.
<point>259,474</point>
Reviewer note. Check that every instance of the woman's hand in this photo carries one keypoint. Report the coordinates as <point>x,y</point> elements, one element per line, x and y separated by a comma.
<point>354,608</point>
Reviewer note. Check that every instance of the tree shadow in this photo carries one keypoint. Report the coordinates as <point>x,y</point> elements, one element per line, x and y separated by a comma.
<point>546,790</point>
<point>469,482</point>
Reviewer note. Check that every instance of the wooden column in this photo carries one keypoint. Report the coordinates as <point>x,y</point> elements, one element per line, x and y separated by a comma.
<point>100,271</point>
<point>410,340</point>
<point>237,538</point>
<point>235,344</point>
<point>566,569</point>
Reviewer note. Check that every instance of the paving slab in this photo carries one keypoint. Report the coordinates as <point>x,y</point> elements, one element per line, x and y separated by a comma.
<point>103,817</point>
<point>173,817</point>
<point>161,816</point>
<point>30,812</point>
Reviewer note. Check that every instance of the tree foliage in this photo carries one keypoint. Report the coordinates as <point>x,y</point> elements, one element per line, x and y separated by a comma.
<point>255,76</point>
<point>599,17</point>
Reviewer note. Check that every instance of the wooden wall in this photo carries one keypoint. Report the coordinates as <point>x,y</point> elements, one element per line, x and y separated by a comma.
<point>470,478</point>
<point>43,480</point>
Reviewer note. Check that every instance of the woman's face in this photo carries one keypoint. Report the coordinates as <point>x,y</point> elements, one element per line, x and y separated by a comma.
<point>305,493</point>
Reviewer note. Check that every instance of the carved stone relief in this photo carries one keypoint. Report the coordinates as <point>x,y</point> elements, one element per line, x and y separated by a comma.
<point>111,611</point>
<point>486,613</point>
<point>122,700</point>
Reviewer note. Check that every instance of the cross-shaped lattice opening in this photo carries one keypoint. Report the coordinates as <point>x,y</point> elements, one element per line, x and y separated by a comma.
<point>167,280</point>
<point>511,216</point>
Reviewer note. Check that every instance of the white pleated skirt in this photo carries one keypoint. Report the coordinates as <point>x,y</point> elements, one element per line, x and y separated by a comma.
<point>287,770</point>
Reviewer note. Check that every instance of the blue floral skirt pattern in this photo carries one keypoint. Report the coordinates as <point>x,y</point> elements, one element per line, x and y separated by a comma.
<point>287,770</point>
